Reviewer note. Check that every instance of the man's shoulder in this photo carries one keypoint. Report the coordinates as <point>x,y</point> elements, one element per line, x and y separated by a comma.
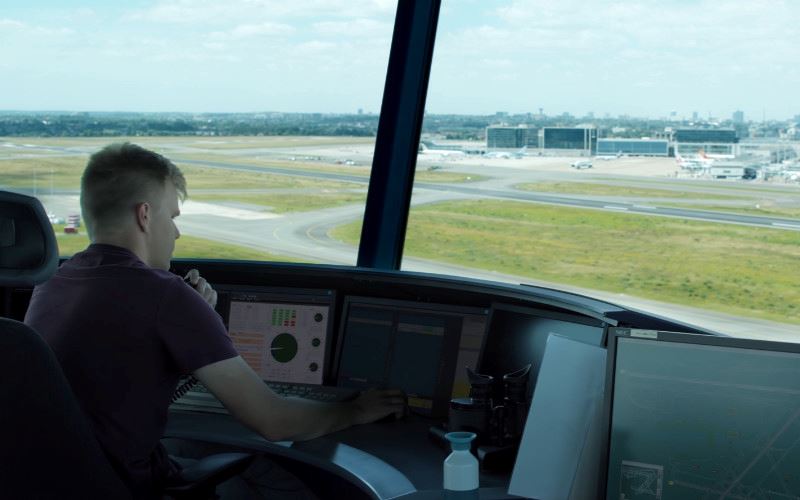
<point>177,295</point>
<point>100,261</point>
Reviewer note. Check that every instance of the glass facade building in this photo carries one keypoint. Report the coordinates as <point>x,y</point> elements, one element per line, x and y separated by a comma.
<point>569,138</point>
<point>699,136</point>
<point>636,147</point>
<point>507,137</point>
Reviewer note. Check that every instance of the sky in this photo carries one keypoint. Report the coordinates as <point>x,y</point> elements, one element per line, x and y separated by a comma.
<point>643,58</point>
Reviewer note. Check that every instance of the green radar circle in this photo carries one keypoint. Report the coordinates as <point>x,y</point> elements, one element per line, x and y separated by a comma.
<point>284,348</point>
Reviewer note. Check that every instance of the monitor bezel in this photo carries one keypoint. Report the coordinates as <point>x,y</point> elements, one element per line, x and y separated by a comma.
<point>286,295</point>
<point>616,333</point>
<point>441,401</point>
<point>537,313</point>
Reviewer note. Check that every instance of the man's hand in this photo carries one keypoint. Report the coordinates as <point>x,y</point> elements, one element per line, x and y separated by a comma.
<point>201,286</point>
<point>375,404</point>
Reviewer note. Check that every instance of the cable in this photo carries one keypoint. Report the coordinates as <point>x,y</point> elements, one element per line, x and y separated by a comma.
<point>184,387</point>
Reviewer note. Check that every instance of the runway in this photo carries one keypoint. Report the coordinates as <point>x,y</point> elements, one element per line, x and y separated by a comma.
<point>501,188</point>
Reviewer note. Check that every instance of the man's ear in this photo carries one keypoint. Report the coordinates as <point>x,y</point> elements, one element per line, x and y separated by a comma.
<point>143,214</point>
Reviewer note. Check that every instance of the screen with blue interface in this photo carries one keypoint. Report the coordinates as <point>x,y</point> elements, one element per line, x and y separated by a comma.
<point>421,348</point>
<point>701,417</point>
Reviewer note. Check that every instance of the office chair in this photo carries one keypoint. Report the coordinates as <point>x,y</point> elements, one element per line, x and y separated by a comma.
<point>47,448</point>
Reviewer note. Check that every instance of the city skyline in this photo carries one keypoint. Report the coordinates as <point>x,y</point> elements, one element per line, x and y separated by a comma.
<point>636,58</point>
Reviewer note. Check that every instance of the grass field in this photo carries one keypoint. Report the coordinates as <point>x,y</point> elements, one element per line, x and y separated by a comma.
<point>421,175</point>
<point>733,269</point>
<point>586,188</point>
<point>766,208</point>
<point>250,142</point>
<point>746,188</point>
<point>290,202</point>
<point>62,172</point>
<point>213,178</point>
<point>751,202</point>
<point>185,247</point>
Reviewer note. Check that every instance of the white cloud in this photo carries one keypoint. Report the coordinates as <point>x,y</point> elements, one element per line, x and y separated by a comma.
<point>244,31</point>
<point>9,24</point>
<point>248,30</point>
<point>357,28</point>
<point>239,11</point>
<point>642,51</point>
<point>314,47</point>
<point>19,27</point>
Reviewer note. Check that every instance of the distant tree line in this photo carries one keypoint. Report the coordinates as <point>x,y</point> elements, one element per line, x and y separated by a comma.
<point>455,127</point>
<point>145,124</point>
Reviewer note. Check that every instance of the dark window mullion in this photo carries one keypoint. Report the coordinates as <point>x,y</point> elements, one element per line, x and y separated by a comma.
<point>397,143</point>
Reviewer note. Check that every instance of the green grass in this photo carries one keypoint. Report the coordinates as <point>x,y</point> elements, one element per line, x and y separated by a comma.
<point>745,187</point>
<point>437,176</point>
<point>289,202</point>
<point>278,141</point>
<point>586,188</point>
<point>216,178</point>
<point>62,172</point>
<point>185,247</point>
<point>765,208</point>
<point>739,270</point>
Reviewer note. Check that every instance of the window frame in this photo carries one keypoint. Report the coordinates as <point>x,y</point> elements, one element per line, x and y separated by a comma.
<point>397,142</point>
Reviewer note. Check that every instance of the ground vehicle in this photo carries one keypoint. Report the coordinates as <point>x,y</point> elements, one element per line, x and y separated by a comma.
<point>581,164</point>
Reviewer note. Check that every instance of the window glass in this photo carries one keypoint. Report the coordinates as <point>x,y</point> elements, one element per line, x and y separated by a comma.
<point>641,152</point>
<point>270,109</point>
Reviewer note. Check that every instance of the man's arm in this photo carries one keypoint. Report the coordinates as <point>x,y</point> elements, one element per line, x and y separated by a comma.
<point>277,418</point>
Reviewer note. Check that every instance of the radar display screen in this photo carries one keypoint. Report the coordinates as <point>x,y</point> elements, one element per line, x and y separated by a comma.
<point>698,416</point>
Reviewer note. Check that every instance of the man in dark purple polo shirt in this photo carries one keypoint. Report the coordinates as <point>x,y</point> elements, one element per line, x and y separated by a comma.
<point>124,328</point>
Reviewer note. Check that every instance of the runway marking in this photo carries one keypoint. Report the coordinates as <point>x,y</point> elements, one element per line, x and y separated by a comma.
<point>788,226</point>
<point>645,207</point>
<point>612,207</point>
<point>310,229</point>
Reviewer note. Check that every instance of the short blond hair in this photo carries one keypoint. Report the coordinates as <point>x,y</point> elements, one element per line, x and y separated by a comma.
<point>118,177</point>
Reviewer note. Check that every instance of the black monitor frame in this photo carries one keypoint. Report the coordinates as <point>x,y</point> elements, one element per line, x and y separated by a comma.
<point>283,295</point>
<point>614,334</point>
<point>443,390</point>
<point>499,307</point>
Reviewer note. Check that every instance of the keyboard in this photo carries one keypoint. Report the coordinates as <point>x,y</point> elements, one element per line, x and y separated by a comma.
<point>199,398</point>
<point>314,392</point>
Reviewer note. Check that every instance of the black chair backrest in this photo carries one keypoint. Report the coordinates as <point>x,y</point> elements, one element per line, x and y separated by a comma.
<point>28,250</point>
<point>47,449</point>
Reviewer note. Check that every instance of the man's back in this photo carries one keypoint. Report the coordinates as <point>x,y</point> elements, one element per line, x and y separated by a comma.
<point>123,333</point>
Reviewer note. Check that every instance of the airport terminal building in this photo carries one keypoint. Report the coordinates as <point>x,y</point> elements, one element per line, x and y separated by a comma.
<point>581,140</point>
<point>719,141</point>
<point>633,147</point>
<point>505,137</point>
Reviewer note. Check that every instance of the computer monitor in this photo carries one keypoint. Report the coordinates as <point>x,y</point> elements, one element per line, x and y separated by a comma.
<point>284,334</point>
<point>518,335</point>
<point>422,348</point>
<point>700,416</point>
